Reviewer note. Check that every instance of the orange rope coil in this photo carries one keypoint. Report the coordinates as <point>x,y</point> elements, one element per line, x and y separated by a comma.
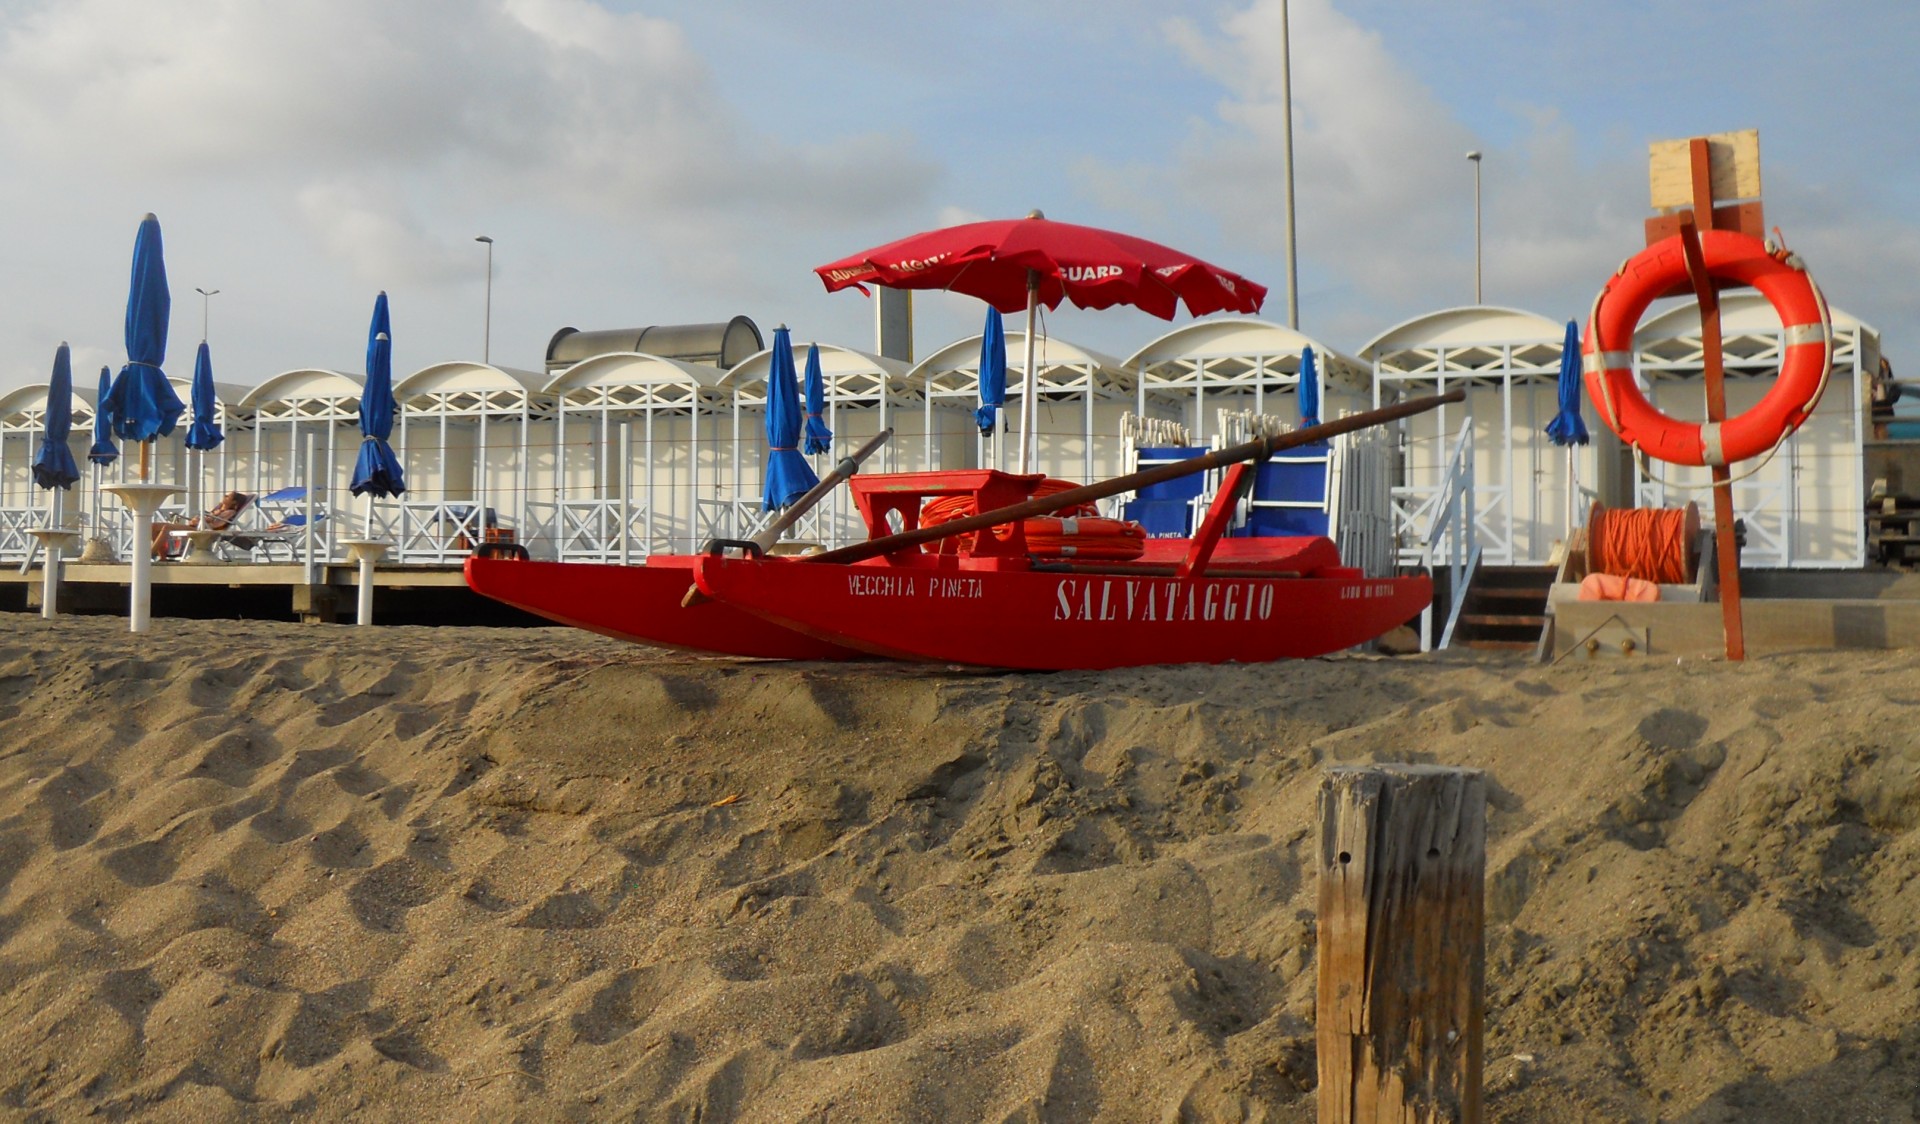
<point>1647,543</point>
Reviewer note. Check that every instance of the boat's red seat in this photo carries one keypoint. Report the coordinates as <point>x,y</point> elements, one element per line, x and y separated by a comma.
<point>1302,554</point>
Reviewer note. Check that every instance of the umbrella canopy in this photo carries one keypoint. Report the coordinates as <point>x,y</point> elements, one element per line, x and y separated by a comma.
<point>819,437</point>
<point>103,452</point>
<point>204,433</point>
<point>54,467</point>
<point>993,371</point>
<point>1309,388</point>
<point>788,476</point>
<point>144,406</point>
<point>1567,428</point>
<point>1093,268</point>
<point>377,470</point>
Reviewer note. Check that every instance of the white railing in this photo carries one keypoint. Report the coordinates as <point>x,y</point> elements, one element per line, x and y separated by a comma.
<point>15,543</point>
<point>1448,538</point>
<point>442,532</point>
<point>586,530</point>
<point>743,519</point>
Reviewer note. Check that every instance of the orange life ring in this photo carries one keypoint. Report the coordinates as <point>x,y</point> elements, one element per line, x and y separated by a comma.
<point>1607,352</point>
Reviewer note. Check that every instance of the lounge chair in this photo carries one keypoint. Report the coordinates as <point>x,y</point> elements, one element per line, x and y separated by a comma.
<point>288,534</point>
<point>170,539</point>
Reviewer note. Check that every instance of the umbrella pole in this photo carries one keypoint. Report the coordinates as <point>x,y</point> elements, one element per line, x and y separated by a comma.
<point>1029,393</point>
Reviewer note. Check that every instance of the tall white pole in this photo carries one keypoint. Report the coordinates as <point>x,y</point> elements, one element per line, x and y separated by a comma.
<point>486,338</point>
<point>1029,385</point>
<point>1286,167</point>
<point>206,302</point>
<point>1474,157</point>
<point>50,569</point>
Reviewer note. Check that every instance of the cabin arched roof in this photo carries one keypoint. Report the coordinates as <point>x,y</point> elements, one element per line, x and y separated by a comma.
<point>1750,336</point>
<point>848,373</point>
<point>1741,310</point>
<point>1233,347</point>
<point>24,407</point>
<point>633,380</point>
<point>632,368</point>
<point>1063,366</point>
<point>1465,326</point>
<point>466,377</point>
<point>302,384</point>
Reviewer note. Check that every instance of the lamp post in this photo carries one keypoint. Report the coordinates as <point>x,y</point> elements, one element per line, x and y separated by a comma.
<point>1286,165</point>
<point>486,337</point>
<point>206,304</point>
<point>1474,158</point>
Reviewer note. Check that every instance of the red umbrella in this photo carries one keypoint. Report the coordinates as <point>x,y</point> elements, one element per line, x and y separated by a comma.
<point>1022,263</point>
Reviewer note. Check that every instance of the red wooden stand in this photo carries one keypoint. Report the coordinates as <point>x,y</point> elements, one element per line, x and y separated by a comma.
<point>1714,370</point>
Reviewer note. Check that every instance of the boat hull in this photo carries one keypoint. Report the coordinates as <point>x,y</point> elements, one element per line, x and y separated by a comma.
<point>992,614</point>
<point>642,604</point>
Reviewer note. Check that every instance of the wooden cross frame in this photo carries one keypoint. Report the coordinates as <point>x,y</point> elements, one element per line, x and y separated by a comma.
<point>1724,166</point>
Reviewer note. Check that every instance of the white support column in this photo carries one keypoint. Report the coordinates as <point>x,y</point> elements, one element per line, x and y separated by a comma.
<point>312,483</point>
<point>626,470</point>
<point>626,492</point>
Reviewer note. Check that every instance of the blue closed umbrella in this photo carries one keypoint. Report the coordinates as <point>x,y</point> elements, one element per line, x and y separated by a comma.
<point>788,476</point>
<point>53,467</point>
<point>1309,388</point>
<point>1567,428</point>
<point>103,452</point>
<point>144,406</point>
<point>377,471</point>
<point>204,433</point>
<point>819,437</point>
<point>993,371</point>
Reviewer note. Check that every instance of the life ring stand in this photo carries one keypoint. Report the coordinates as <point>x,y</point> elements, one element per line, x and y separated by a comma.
<point>1660,270</point>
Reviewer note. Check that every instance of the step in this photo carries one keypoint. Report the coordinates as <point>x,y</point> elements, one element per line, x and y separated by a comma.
<point>1509,593</point>
<point>1499,645</point>
<point>1501,620</point>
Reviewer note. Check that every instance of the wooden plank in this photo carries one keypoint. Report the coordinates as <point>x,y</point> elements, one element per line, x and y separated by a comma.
<point>1734,159</point>
<point>1402,962</point>
<point>1749,219</point>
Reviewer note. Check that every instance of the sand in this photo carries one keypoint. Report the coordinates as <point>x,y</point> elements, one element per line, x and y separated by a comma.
<point>248,869</point>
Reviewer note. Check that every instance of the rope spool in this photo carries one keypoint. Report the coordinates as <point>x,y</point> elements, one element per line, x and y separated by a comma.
<point>1077,532</point>
<point>1649,543</point>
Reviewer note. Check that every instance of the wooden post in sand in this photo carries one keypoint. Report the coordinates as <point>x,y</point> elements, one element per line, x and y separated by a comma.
<point>1401,957</point>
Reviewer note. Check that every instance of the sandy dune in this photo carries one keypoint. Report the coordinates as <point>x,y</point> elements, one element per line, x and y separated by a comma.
<point>426,874</point>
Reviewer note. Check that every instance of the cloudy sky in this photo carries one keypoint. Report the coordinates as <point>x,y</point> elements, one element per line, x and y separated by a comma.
<point>659,163</point>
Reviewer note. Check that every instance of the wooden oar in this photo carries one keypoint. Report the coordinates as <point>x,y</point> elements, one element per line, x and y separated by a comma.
<point>849,465</point>
<point>1258,450</point>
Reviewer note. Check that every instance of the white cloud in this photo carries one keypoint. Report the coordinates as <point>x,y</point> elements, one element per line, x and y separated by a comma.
<point>511,100</point>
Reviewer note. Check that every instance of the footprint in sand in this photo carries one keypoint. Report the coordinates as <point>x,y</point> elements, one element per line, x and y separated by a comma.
<point>142,864</point>
<point>382,897</point>
<point>235,756</point>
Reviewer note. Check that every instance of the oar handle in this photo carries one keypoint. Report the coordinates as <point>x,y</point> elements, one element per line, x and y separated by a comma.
<point>848,466</point>
<point>1256,450</point>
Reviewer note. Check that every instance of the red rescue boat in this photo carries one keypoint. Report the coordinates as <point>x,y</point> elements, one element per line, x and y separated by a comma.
<point>1003,600</point>
<point>1002,605</point>
<point>641,603</point>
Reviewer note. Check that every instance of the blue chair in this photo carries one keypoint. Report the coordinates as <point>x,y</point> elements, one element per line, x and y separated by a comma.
<point>1167,509</point>
<point>1290,494</point>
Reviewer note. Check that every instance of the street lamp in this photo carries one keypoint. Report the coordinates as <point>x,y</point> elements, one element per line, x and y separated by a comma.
<point>206,301</point>
<point>1474,156</point>
<point>486,338</point>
